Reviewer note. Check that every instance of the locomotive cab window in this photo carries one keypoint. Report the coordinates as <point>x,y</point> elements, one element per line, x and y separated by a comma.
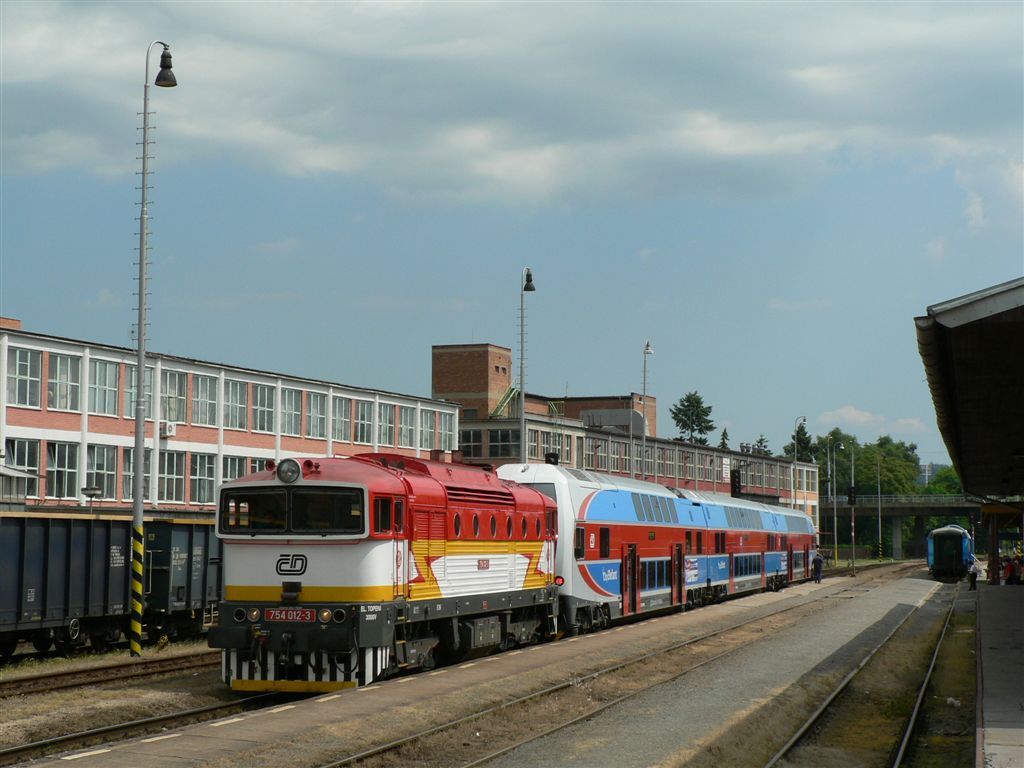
<point>337,511</point>
<point>334,511</point>
<point>382,515</point>
<point>578,549</point>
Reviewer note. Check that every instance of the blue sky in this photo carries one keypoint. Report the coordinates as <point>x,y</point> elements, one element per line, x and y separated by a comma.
<point>770,193</point>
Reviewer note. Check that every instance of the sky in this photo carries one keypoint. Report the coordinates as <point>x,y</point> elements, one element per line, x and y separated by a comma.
<point>768,192</point>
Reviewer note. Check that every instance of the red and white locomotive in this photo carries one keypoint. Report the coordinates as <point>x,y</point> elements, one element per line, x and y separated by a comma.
<point>338,572</point>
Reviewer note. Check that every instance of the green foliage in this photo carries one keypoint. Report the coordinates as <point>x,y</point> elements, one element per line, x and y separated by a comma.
<point>693,418</point>
<point>802,440</point>
<point>761,446</point>
<point>724,442</point>
<point>892,464</point>
<point>946,482</point>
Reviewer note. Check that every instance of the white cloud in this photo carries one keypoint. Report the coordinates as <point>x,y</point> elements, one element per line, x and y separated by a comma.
<point>851,416</point>
<point>975,211</point>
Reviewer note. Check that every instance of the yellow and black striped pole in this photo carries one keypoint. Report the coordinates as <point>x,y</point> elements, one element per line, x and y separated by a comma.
<point>138,554</point>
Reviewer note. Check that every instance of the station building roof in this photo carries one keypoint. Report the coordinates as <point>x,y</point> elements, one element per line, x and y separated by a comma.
<point>973,353</point>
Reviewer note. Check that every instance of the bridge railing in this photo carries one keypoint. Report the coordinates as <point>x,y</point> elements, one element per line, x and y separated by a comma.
<point>919,500</point>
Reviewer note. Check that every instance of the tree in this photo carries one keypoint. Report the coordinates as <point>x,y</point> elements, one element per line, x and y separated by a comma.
<point>761,446</point>
<point>802,440</point>
<point>945,482</point>
<point>693,418</point>
<point>724,442</point>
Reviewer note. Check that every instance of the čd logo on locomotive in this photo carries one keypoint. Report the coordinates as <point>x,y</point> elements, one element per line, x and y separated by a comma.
<point>292,564</point>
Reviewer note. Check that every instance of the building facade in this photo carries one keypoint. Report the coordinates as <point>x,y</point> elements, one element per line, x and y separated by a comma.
<point>600,433</point>
<point>68,409</point>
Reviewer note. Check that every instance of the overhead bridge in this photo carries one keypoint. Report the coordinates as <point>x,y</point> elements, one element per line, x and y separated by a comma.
<point>834,514</point>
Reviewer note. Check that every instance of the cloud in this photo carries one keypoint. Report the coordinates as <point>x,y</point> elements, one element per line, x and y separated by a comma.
<point>851,416</point>
<point>478,101</point>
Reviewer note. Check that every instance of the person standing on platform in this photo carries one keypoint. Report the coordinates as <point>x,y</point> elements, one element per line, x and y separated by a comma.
<point>816,564</point>
<point>972,574</point>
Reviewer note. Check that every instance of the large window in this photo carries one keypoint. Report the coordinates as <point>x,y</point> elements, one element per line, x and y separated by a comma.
<point>101,469</point>
<point>173,394</point>
<point>386,425</point>
<point>103,387</point>
<point>447,431</point>
<point>64,383</point>
<point>316,415</point>
<point>364,421</point>
<point>406,427</point>
<point>263,407</point>
<point>291,412</point>
<point>427,429</point>
<point>202,477</point>
<point>131,387</point>
<point>171,485</point>
<point>502,442</point>
<point>235,403</point>
<point>62,470</point>
<point>204,401</point>
<point>341,422</point>
<point>128,474</point>
<point>23,376</point>
<point>235,466</point>
<point>24,455</point>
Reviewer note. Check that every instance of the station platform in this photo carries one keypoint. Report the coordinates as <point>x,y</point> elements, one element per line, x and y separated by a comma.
<point>1000,703</point>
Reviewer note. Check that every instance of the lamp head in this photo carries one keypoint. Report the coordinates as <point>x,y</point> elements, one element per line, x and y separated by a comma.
<point>165,77</point>
<point>528,285</point>
<point>648,349</point>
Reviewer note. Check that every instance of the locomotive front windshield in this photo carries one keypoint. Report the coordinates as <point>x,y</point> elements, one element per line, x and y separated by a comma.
<point>323,511</point>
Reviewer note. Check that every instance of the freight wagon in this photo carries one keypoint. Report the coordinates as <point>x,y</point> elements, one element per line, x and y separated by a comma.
<point>66,579</point>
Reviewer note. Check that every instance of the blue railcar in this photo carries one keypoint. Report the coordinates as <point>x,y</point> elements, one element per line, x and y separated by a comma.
<point>950,552</point>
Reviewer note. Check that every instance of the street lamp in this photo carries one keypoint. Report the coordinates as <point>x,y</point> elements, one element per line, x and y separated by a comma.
<point>527,286</point>
<point>878,468</point>
<point>648,350</point>
<point>853,508</point>
<point>835,513</point>
<point>792,473</point>
<point>165,79</point>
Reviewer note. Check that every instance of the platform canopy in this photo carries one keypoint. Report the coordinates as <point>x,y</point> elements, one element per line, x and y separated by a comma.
<point>973,353</point>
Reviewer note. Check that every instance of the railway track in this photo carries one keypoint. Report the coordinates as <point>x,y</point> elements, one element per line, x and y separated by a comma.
<point>130,670</point>
<point>109,733</point>
<point>400,751</point>
<point>894,752</point>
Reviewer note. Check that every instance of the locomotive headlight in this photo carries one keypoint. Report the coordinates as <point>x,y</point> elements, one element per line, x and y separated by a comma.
<point>239,614</point>
<point>339,615</point>
<point>254,614</point>
<point>325,615</point>
<point>288,471</point>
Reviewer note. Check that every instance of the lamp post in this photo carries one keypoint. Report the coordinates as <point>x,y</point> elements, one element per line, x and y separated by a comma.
<point>878,468</point>
<point>527,285</point>
<point>165,79</point>
<point>792,473</point>
<point>853,509</point>
<point>835,513</point>
<point>648,350</point>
